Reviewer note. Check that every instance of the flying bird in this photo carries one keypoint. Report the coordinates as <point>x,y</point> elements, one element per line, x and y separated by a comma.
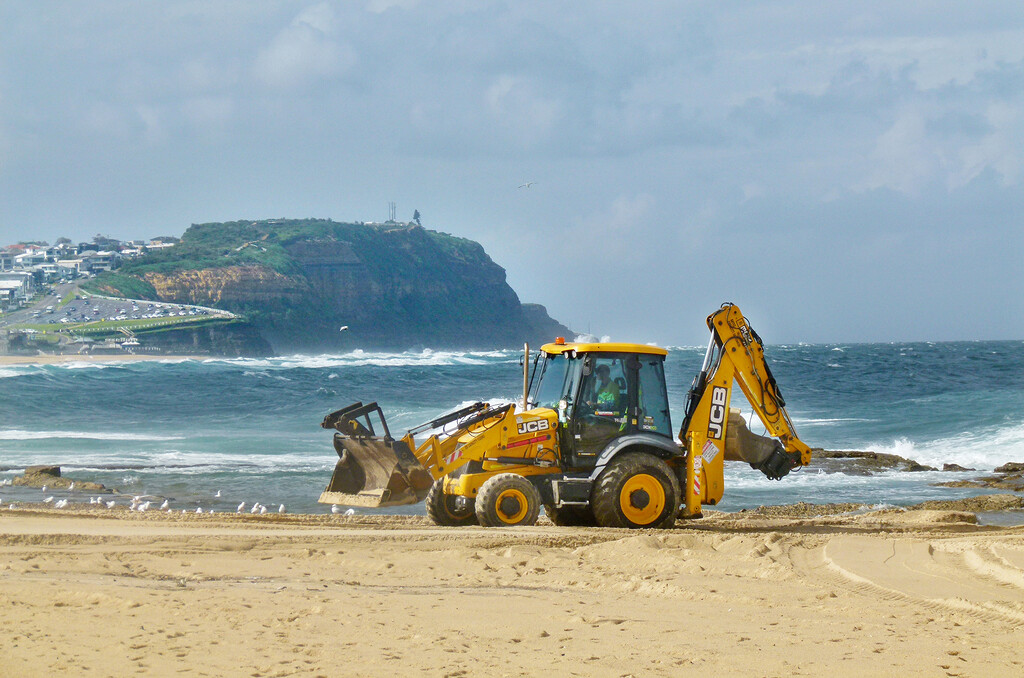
<point>218,494</point>
<point>527,184</point>
<point>343,328</point>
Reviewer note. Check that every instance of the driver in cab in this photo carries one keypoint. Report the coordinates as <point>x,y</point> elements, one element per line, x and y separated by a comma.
<point>607,393</point>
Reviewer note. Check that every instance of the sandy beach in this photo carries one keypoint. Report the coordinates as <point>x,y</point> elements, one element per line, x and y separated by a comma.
<point>903,593</point>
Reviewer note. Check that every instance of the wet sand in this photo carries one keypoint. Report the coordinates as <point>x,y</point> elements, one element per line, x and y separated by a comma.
<point>903,593</point>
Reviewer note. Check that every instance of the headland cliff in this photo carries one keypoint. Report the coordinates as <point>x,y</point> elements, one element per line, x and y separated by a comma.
<point>299,282</point>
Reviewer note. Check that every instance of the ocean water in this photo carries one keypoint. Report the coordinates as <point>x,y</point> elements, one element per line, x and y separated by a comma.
<point>249,428</point>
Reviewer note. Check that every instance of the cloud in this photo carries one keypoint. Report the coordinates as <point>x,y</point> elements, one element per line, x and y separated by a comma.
<point>305,51</point>
<point>526,114</point>
<point>381,6</point>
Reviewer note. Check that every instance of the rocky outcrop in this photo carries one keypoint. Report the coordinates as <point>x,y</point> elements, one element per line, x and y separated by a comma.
<point>863,463</point>
<point>50,477</point>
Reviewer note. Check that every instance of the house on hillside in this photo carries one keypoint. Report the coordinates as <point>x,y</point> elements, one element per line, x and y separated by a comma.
<point>16,288</point>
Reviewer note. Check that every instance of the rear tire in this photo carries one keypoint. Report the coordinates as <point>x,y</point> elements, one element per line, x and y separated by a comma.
<point>570,516</point>
<point>507,499</point>
<point>442,510</point>
<point>637,490</point>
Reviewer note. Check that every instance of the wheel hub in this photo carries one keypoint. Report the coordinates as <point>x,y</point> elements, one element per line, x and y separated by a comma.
<point>639,499</point>
<point>509,506</point>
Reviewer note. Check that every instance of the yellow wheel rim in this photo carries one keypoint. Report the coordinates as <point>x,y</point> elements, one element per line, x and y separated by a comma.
<point>507,498</point>
<point>642,499</point>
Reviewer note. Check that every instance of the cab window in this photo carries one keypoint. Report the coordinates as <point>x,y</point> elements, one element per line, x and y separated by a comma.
<point>605,391</point>
<point>652,398</point>
<point>550,382</point>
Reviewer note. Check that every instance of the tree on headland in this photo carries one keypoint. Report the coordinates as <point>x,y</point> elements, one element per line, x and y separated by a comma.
<point>63,241</point>
<point>416,217</point>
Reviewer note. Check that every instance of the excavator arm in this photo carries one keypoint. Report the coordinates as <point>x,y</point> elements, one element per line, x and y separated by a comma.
<point>711,434</point>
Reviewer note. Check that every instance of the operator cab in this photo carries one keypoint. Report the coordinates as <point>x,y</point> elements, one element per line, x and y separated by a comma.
<point>601,391</point>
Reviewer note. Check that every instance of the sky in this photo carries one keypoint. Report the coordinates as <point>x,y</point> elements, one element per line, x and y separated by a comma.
<point>844,172</point>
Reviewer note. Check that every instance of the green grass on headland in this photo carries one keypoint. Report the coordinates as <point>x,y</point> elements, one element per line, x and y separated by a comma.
<point>113,327</point>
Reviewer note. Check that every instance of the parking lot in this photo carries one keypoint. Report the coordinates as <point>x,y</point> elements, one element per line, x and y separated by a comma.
<point>99,309</point>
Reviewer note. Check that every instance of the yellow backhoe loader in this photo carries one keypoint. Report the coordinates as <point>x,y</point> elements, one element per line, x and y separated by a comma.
<point>592,443</point>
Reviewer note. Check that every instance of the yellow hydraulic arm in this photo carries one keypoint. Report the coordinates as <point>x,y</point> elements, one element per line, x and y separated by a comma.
<point>735,353</point>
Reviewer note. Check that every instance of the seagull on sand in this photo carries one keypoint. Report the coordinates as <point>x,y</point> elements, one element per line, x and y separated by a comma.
<point>111,504</point>
<point>255,508</point>
<point>263,509</point>
<point>335,509</point>
<point>350,512</point>
<point>44,488</point>
<point>280,509</point>
<point>71,486</point>
<point>143,507</point>
<point>61,504</point>
<point>199,509</point>
<point>164,505</point>
<point>241,507</point>
<point>48,500</point>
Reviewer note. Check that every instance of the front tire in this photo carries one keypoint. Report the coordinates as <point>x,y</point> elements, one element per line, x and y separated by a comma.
<point>507,499</point>
<point>637,490</point>
<point>441,507</point>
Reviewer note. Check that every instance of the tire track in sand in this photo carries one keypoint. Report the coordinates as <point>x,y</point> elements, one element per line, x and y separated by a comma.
<point>927,575</point>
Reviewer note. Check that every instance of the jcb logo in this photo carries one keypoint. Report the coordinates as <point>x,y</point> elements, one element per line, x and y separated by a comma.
<point>716,418</point>
<point>534,426</point>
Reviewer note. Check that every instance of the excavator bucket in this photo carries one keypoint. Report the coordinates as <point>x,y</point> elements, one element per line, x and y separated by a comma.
<point>372,470</point>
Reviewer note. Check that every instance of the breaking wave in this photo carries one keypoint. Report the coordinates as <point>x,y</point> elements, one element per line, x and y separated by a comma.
<point>983,449</point>
<point>17,434</point>
<point>360,358</point>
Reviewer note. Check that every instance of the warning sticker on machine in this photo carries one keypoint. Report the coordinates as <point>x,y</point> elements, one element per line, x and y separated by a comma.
<point>696,475</point>
<point>709,451</point>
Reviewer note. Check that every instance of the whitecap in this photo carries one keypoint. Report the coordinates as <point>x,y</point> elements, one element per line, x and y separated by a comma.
<point>981,449</point>
<point>18,434</point>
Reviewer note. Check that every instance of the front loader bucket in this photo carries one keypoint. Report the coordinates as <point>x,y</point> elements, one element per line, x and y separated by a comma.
<point>374,472</point>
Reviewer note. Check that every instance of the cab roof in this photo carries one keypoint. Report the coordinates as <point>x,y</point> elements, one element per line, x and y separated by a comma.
<point>606,347</point>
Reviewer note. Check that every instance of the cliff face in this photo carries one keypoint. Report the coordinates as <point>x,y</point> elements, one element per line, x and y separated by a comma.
<point>393,286</point>
<point>233,285</point>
